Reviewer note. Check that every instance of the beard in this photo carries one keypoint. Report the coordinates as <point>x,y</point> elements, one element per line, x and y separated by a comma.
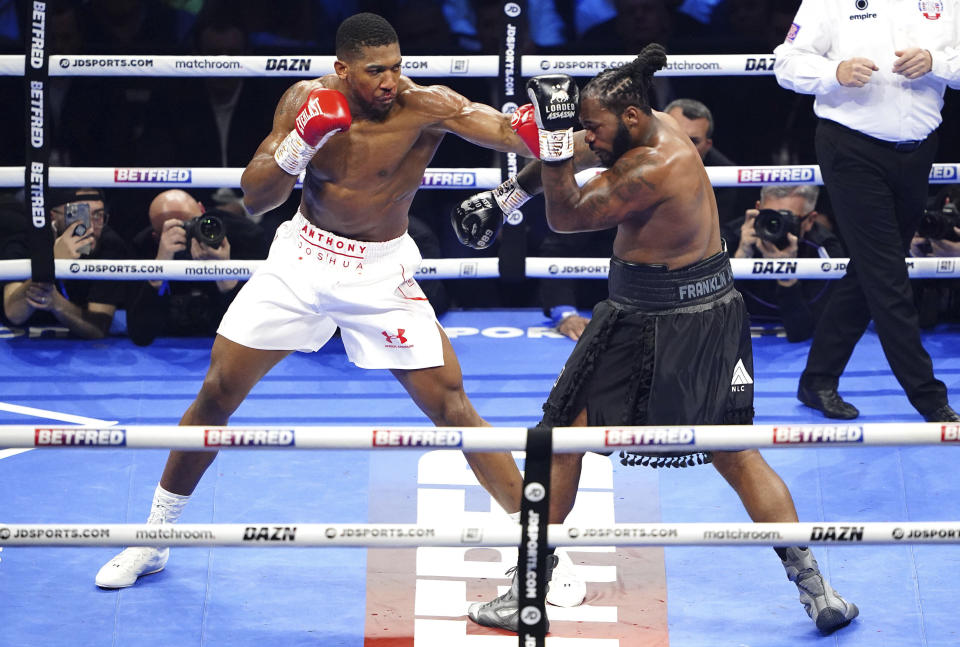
<point>621,142</point>
<point>620,145</point>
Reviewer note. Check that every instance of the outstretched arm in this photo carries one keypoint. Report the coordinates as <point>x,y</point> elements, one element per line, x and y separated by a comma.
<point>476,122</point>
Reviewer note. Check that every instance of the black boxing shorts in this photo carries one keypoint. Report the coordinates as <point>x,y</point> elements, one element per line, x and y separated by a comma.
<point>668,347</point>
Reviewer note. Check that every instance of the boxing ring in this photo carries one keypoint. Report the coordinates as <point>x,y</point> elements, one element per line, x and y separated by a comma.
<point>342,595</point>
<point>689,568</point>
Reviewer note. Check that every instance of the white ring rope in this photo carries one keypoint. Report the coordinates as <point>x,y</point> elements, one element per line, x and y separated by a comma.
<point>427,66</point>
<point>133,177</point>
<point>651,439</point>
<point>677,64</point>
<point>927,267</point>
<point>298,535</point>
<point>537,267</point>
<point>242,66</point>
<point>150,270</point>
<point>433,178</point>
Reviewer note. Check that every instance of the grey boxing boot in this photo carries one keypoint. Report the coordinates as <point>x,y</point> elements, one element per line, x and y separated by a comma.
<point>504,612</point>
<point>824,605</point>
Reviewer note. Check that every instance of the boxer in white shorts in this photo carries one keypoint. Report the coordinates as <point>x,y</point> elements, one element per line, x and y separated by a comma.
<point>314,281</point>
<point>363,136</point>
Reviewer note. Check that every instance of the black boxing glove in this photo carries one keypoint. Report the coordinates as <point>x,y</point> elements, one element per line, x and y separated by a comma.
<point>477,220</point>
<point>556,103</point>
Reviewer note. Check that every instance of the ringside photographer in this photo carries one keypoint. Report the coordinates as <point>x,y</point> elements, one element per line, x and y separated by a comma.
<point>180,229</point>
<point>85,307</point>
<point>938,234</point>
<point>785,225</point>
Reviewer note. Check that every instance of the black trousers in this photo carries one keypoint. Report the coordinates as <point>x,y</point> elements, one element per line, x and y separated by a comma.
<point>878,196</point>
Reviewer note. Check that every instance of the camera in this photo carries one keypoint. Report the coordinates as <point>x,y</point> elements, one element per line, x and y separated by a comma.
<point>773,225</point>
<point>939,224</point>
<point>208,229</point>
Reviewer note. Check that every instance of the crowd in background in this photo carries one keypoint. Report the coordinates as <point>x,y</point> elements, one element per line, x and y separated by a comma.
<point>147,121</point>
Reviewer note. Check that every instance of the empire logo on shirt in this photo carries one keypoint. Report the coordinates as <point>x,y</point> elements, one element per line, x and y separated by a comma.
<point>861,5</point>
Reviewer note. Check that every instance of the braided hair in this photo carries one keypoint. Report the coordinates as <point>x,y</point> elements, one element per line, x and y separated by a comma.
<point>616,88</point>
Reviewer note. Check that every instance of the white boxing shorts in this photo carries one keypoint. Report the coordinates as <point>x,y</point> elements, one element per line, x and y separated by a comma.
<point>313,282</point>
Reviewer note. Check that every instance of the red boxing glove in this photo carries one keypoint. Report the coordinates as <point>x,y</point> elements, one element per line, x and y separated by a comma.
<point>523,122</point>
<point>322,115</point>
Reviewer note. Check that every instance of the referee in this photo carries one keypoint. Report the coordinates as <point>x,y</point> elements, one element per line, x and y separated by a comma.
<point>878,69</point>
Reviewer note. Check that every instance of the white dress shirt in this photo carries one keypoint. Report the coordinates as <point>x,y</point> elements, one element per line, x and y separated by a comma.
<point>890,106</point>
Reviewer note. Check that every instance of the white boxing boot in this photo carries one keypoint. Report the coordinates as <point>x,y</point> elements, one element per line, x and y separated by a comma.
<point>124,569</point>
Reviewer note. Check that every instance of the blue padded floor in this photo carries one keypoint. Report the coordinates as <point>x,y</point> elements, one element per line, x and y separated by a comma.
<point>294,596</point>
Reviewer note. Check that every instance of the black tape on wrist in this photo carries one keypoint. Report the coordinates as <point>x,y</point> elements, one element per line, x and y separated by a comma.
<point>534,521</point>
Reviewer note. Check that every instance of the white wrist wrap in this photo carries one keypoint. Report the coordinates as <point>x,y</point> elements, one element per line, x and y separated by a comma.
<point>293,154</point>
<point>556,145</point>
<point>510,196</point>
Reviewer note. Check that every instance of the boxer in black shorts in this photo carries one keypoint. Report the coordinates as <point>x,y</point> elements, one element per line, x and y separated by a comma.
<point>671,345</point>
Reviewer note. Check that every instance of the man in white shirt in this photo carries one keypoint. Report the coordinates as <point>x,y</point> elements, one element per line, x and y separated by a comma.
<point>878,69</point>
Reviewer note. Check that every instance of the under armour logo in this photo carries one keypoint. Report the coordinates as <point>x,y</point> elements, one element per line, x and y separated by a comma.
<point>395,339</point>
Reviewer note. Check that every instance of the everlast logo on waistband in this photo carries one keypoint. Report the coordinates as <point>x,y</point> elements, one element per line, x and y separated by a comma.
<point>703,287</point>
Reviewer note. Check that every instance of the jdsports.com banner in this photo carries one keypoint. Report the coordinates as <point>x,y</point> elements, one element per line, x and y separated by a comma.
<point>290,66</point>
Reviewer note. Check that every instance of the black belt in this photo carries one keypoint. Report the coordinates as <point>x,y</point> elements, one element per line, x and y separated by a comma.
<point>654,287</point>
<point>905,146</point>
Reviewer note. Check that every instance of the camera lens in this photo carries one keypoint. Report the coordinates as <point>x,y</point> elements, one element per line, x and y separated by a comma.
<point>773,225</point>
<point>210,230</point>
<point>207,229</point>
